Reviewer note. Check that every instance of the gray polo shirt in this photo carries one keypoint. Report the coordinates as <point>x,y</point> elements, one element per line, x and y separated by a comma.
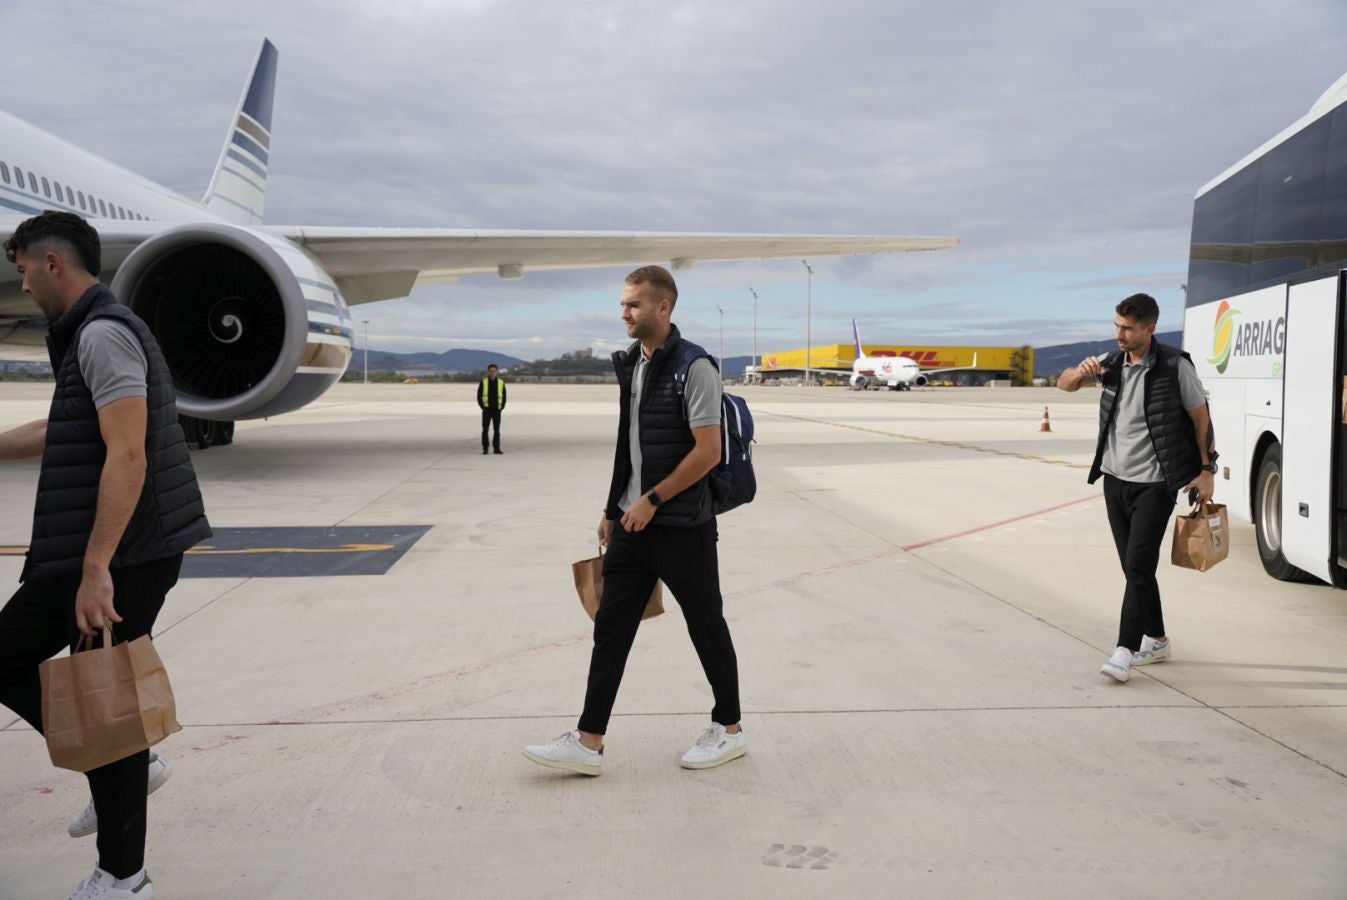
<point>112,362</point>
<point>701,396</point>
<point>1129,454</point>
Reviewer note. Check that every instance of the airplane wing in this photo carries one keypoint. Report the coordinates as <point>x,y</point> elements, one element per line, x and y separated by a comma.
<point>380,264</point>
<point>952,368</point>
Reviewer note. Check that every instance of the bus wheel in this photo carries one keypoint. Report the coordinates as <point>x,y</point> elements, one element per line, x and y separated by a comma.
<point>1267,518</point>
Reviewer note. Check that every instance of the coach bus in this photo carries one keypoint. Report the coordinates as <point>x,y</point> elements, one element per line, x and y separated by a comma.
<point>1264,323</point>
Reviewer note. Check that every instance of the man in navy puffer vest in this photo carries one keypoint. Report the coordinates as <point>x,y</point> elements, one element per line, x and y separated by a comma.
<point>1155,440</point>
<point>117,505</point>
<point>658,525</point>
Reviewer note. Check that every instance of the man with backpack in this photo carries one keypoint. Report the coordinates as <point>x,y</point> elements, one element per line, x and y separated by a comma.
<point>659,524</point>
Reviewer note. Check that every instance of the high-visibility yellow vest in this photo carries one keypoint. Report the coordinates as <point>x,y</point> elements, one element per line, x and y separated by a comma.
<point>486,391</point>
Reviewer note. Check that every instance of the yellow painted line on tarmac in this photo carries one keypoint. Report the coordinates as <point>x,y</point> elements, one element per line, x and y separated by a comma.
<point>960,445</point>
<point>211,551</point>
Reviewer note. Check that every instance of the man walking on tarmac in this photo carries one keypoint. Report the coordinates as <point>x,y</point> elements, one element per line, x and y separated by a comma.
<point>491,398</point>
<point>1155,441</point>
<point>658,524</point>
<point>117,505</point>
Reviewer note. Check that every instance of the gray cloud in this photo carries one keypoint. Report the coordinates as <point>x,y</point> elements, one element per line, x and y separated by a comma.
<point>1063,142</point>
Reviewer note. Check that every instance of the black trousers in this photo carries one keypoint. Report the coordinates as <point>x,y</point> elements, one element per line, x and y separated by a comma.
<point>1138,514</point>
<point>491,417</point>
<point>36,624</point>
<point>685,560</point>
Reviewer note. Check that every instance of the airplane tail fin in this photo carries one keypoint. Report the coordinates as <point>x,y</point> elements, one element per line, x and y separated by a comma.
<point>856,340</point>
<point>238,189</point>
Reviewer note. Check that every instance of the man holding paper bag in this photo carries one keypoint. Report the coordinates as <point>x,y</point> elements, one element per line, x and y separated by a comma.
<point>1155,440</point>
<point>117,505</point>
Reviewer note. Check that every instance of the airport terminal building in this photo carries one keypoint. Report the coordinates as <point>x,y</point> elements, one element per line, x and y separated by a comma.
<point>831,363</point>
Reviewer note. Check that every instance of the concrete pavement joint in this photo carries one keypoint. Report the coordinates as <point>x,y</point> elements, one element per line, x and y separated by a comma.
<point>1146,673</point>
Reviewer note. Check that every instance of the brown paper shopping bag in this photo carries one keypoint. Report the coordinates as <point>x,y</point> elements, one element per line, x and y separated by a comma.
<point>588,575</point>
<point>1202,537</point>
<point>102,705</point>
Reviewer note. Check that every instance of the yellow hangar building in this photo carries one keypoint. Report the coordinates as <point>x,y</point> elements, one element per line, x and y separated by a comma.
<point>831,363</point>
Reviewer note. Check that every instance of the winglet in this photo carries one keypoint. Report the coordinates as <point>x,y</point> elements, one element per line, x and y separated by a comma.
<point>238,189</point>
<point>856,340</point>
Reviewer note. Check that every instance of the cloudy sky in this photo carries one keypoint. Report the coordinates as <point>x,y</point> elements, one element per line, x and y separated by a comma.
<point>1061,140</point>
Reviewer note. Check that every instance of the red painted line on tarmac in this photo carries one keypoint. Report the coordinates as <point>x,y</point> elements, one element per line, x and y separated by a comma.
<point>328,710</point>
<point>896,551</point>
<point>982,528</point>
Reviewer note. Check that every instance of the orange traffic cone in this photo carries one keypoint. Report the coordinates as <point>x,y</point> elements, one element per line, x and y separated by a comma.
<point>1045,426</point>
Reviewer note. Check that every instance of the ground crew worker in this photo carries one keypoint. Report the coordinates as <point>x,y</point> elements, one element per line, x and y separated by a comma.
<point>491,399</point>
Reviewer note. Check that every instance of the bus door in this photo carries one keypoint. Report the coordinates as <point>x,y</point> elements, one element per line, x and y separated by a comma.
<point>1340,441</point>
<point>1311,425</point>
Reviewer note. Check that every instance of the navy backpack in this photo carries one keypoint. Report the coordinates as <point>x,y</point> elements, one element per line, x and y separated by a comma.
<point>732,480</point>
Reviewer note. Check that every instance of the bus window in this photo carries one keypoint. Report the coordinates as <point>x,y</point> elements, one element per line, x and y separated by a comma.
<point>1333,235</point>
<point>1222,249</point>
<point>1290,206</point>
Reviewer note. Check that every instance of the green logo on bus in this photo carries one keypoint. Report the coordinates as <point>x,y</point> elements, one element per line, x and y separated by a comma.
<point>1223,336</point>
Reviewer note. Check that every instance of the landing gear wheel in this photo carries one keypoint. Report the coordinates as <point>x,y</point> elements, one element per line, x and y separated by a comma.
<point>1267,519</point>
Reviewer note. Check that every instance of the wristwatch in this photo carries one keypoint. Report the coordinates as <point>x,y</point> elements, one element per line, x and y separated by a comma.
<point>1210,467</point>
<point>655,499</point>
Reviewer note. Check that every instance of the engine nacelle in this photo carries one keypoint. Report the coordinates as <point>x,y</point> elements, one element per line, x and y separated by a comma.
<point>859,382</point>
<point>921,381</point>
<point>250,323</point>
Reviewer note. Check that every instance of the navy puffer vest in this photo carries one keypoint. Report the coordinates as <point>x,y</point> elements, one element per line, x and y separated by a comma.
<point>665,435</point>
<point>169,517</point>
<point>1170,426</point>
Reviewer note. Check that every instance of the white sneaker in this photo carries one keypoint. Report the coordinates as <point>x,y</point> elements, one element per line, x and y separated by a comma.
<point>102,886</point>
<point>1151,651</point>
<point>87,821</point>
<point>566,752</point>
<point>715,747</point>
<point>1119,665</point>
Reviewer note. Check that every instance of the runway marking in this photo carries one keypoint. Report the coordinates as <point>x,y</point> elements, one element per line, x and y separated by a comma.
<point>859,561</point>
<point>918,439</point>
<point>299,552</point>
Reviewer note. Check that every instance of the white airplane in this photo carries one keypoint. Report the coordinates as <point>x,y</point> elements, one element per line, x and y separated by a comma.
<point>254,318</point>
<point>899,373</point>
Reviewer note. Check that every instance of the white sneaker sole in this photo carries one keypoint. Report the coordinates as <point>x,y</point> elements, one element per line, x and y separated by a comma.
<point>1119,675</point>
<point>563,764</point>
<point>1147,660</point>
<point>718,761</point>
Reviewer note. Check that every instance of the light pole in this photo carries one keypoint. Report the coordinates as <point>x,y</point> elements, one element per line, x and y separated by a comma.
<point>808,316</point>
<point>722,339</point>
<point>366,321</point>
<point>757,371</point>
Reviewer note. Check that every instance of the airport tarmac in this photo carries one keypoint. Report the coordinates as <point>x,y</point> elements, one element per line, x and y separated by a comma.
<point>921,597</point>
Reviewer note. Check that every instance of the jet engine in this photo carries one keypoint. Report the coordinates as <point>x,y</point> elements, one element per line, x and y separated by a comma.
<point>250,323</point>
<point>921,381</point>
<point>859,382</point>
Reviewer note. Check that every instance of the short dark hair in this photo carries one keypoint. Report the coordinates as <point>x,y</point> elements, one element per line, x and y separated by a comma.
<point>491,366</point>
<point>1141,307</point>
<point>68,228</point>
<point>659,280</point>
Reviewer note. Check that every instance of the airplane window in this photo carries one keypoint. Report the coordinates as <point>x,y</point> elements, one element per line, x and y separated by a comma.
<point>46,186</point>
<point>81,196</point>
<point>70,195</point>
<point>18,174</point>
<point>121,213</point>
<point>32,182</point>
<point>102,208</point>
<point>4,172</point>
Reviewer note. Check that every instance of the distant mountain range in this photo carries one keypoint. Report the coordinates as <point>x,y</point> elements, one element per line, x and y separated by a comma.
<point>1052,360</point>
<point>460,360</point>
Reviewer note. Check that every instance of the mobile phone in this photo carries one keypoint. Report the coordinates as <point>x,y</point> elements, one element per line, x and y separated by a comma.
<point>1192,496</point>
